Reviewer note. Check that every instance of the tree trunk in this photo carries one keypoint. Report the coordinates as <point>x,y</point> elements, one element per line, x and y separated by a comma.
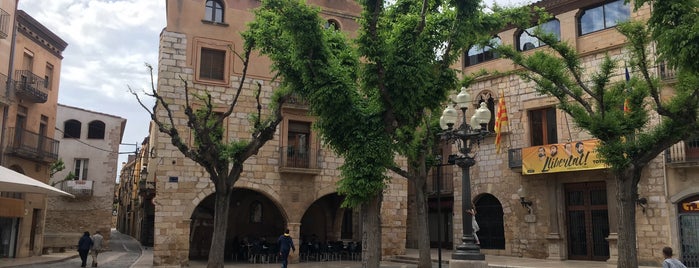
<point>218,241</point>
<point>371,236</point>
<point>627,193</point>
<point>423,233</point>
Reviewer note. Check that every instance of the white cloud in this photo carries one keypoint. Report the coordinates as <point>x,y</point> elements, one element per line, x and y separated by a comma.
<point>108,43</point>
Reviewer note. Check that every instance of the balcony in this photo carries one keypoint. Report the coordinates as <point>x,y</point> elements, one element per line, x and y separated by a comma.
<point>665,72</point>
<point>78,188</point>
<point>32,146</point>
<point>514,158</point>
<point>146,188</point>
<point>30,87</point>
<point>683,154</point>
<point>299,160</point>
<point>4,24</point>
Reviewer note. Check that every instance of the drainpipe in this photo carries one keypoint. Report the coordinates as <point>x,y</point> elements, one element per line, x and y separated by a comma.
<point>8,85</point>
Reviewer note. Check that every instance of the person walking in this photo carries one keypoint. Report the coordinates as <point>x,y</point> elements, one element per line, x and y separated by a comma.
<point>286,244</point>
<point>474,223</point>
<point>96,247</point>
<point>84,245</point>
<point>669,261</point>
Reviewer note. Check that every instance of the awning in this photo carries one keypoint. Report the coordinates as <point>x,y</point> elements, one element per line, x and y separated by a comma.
<point>12,181</point>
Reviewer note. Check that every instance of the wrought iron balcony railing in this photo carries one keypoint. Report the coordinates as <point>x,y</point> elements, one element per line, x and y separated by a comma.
<point>30,87</point>
<point>665,72</point>
<point>30,145</point>
<point>514,158</point>
<point>684,152</point>
<point>299,159</point>
<point>4,24</point>
<point>78,188</point>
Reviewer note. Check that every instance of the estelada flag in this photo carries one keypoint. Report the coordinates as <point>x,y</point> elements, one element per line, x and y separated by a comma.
<point>500,121</point>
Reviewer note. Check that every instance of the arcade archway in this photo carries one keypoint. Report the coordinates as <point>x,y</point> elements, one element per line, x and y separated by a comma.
<point>253,219</point>
<point>489,215</point>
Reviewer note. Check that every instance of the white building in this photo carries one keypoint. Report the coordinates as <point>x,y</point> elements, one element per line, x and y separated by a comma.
<point>89,147</point>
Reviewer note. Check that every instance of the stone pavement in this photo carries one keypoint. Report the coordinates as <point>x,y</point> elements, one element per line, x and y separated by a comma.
<point>146,260</point>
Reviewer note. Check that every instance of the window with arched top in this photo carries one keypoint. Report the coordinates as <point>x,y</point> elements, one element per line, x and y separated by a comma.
<point>602,17</point>
<point>95,130</point>
<point>527,41</point>
<point>214,11</point>
<point>477,53</point>
<point>71,129</point>
<point>489,98</point>
<point>332,24</point>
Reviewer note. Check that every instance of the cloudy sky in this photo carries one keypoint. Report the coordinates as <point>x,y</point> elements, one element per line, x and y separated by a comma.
<point>109,42</point>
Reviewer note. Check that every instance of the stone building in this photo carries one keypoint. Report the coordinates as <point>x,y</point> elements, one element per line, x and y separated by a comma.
<point>89,148</point>
<point>134,195</point>
<point>290,183</point>
<point>30,67</point>
<point>569,214</point>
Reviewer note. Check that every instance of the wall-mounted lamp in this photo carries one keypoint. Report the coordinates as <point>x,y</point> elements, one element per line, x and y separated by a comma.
<point>643,203</point>
<point>144,173</point>
<point>523,199</point>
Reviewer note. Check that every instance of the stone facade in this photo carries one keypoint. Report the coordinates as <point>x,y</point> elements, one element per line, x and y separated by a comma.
<point>28,112</point>
<point>546,232</point>
<point>91,210</point>
<point>298,198</point>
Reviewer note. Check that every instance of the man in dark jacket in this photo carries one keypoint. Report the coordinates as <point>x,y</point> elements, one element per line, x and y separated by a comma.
<point>84,245</point>
<point>286,244</point>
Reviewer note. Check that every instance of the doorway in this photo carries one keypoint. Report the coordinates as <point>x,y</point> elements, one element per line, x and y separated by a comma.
<point>689,231</point>
<point>588,221</point>
<point>490,218</point>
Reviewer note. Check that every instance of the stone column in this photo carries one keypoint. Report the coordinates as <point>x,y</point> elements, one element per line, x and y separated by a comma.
<point>295,233</point>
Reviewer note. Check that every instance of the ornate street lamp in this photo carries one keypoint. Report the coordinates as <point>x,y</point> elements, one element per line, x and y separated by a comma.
<point>465,137</point>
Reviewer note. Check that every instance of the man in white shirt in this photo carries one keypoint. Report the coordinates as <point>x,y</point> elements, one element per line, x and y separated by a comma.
<point>96,247</point>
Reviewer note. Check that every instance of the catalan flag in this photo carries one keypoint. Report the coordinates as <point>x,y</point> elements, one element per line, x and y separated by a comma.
<point>500,121</point>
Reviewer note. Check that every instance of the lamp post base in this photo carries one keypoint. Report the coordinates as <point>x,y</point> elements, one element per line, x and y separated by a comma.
<point>467,250</point>
<point>467,264</point>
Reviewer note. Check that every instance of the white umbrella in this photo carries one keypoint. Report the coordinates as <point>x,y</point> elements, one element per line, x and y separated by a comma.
<point>12,181</point>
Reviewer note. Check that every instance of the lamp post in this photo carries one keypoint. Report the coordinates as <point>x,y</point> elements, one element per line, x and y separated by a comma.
<point>465,137</point>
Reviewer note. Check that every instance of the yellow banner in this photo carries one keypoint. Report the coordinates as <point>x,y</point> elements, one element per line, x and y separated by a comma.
<point>561,157</point>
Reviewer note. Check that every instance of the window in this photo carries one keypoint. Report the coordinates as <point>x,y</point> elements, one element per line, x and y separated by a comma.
<point>543,126</point>
<point>212,64</point>
<point>95,130</point>
<point>71,129</point>
<point>298,140</point>
<point>28,61</point>
<point>477,54</point>
<point>332,24</point>
<point>49,76</point>
<point>80,169</point>
<point>527,42</point>
<point>487,97</point>
<point>603,17</point>
<point>214,11</point>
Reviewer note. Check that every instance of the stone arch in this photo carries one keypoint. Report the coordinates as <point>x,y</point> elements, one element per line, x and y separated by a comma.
<point>262,189</point>
<point>323,219</point>
<point>687,192</point>
<point>255,219</point>
<point>490,218</point>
